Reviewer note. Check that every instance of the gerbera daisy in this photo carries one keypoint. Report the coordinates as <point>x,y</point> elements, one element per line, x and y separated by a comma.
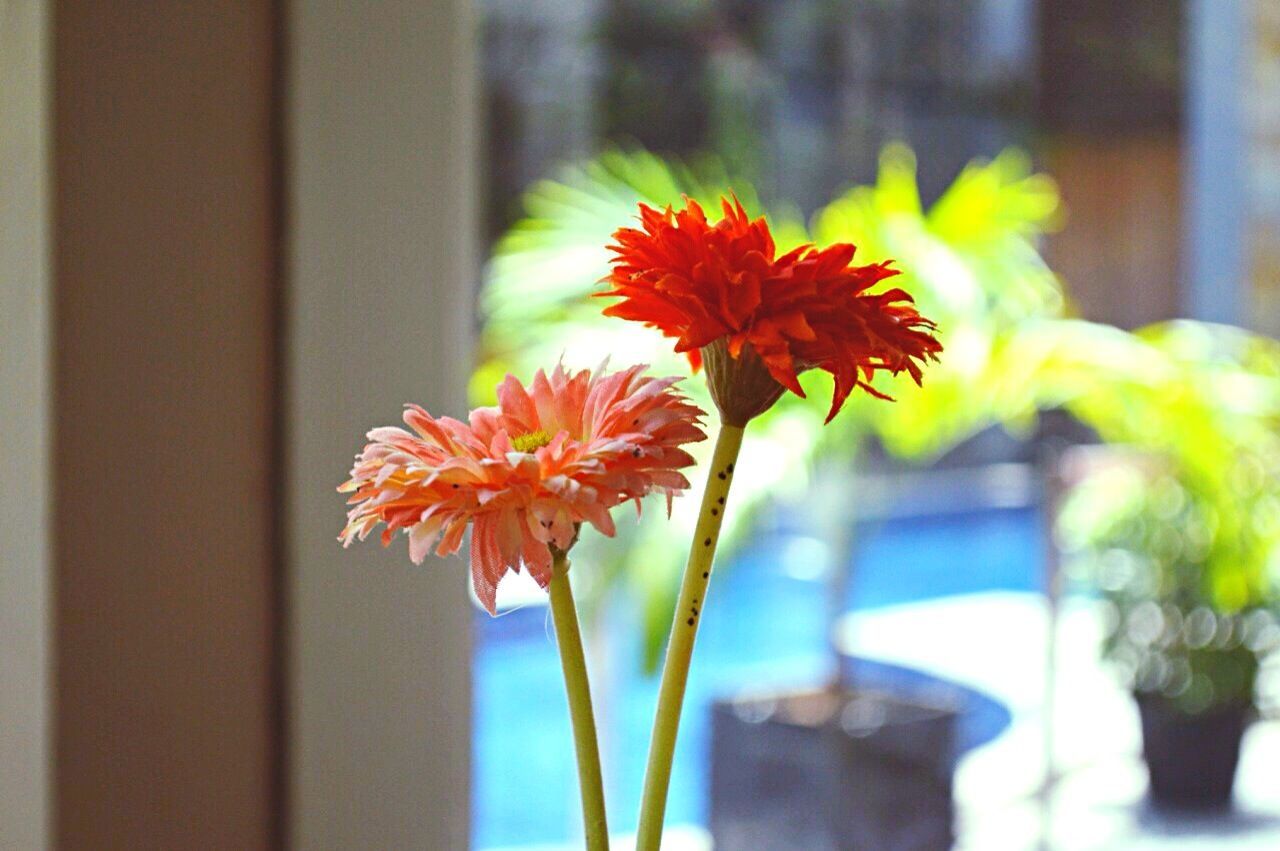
<point>526,474</point>
<point>758,319</point>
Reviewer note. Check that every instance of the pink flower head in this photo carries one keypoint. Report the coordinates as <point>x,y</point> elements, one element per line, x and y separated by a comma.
<point>525,474</point>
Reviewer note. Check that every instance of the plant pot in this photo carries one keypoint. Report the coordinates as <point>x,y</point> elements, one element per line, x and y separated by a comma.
<point>831,771</point>
<point>1191,759</point>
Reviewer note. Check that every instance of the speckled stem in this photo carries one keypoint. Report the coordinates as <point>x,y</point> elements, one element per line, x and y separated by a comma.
<point>675,671</point>
<point>574,663</point>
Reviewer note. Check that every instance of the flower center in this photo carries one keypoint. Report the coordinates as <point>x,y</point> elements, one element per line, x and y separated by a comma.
<point>531,441</point>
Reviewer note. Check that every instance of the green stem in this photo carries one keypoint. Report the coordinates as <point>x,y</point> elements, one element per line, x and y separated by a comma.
<point>689,607</point>
<point>578,690</point>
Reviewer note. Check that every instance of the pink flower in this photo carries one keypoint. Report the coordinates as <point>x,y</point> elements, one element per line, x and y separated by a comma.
<point>525,474</point>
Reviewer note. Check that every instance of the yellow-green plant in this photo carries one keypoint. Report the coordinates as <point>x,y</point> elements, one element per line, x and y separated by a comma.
<point>970,259</point>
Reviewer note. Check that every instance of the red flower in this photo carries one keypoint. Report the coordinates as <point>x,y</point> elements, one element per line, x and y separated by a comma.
<point>721,285</point>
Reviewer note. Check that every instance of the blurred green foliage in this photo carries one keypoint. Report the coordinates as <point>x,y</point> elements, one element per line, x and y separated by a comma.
<point>1204,399</point>
<point>970,260</point>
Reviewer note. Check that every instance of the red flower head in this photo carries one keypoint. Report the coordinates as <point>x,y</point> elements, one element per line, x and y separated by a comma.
<point>760,320</point>
<point>526,474</point>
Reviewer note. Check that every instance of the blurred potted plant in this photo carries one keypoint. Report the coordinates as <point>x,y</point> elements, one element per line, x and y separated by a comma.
<point>1177,526</point>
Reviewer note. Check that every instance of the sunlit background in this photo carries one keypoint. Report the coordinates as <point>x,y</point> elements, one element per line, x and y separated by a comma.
<point>1033,605</point>
<point>938,618</point>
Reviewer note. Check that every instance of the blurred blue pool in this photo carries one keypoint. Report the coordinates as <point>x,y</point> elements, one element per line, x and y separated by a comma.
<point>764,628</point>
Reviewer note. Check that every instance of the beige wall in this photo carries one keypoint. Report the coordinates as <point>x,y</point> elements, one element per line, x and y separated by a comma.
<point>24,443</point>
<point>382,265</point>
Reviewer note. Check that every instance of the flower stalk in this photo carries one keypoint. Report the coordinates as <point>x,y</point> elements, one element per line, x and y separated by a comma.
<point>578,690</point>
<point>689,608</point>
